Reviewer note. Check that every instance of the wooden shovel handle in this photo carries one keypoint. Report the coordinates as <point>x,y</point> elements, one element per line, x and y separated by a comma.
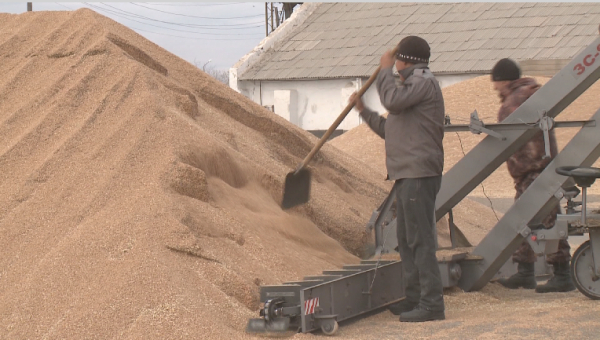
<point>340,118</point>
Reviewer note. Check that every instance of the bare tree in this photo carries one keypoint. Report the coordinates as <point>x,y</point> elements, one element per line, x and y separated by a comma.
<point>211,70</point>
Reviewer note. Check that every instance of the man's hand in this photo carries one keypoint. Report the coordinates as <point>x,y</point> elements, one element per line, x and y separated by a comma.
<point>358,104</point>
<point>387,59</point>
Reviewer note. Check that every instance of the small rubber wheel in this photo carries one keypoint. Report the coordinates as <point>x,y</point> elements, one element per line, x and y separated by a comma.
<point>582,272</point>
<point>329,327</point>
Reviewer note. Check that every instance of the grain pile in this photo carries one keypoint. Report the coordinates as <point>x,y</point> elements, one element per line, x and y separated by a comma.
<point>460,100</point>
<point>140,198</point>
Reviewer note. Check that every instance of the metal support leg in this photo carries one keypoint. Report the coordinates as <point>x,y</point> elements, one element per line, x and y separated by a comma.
<point>558,93</point>
<point>535,203</point>
<point>583,205</point>
<point>595,244</point>
<point>383,221</point>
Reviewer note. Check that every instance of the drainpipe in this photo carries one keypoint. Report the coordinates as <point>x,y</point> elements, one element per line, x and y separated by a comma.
<point>358,86</point>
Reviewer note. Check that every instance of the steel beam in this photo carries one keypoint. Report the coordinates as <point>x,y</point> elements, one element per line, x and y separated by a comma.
<point>535,203</point>
<point>350,296</point>
<point>496,127</point>
<point>490,153</point>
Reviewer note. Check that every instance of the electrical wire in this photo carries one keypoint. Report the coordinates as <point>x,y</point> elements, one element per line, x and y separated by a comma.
<point>197,17</point>
<point>69,8</point>
<point>482,187</point>
<point>191,38</point>
<point>171,35</point>
<point>195,5</point>
<point>172,29</point>
<point>119,12</point>
<point>124,12</point>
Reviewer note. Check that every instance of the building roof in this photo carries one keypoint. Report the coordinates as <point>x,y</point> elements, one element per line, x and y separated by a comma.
<point>341,40</point>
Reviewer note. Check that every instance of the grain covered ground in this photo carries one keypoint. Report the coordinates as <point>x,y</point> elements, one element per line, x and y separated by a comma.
<point>140,198</point>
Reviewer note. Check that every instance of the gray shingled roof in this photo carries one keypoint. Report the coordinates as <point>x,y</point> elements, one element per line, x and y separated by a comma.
<point>342,40</point>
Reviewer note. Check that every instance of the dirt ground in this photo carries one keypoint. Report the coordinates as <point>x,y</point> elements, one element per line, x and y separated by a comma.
<point>492,313</point>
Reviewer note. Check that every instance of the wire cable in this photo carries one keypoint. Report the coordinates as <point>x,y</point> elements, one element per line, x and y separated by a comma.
<point>482,187</point>
<point>197,17</point>
<point>191,38</point>
<point>195,5</point>
<point>171,29</point>
<point>124,12</point>
<point>119,12</point>
<point>69,8</point>
<point>461,119</point>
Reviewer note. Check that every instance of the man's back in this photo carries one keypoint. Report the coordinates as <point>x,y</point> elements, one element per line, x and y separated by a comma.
<point>414,132</point>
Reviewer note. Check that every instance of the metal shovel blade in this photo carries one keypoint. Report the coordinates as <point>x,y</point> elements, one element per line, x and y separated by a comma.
<point>296,190</point>
<point>279,325</point>
<point>457,237</point>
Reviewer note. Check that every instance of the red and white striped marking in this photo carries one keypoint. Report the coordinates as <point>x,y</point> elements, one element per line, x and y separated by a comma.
<point>309,306</point>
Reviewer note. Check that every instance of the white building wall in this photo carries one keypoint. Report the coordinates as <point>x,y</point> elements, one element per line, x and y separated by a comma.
<point>285,103</point>
<point>315,104</point>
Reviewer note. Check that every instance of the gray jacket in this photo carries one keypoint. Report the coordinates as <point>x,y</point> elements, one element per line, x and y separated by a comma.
<point>414,128</point>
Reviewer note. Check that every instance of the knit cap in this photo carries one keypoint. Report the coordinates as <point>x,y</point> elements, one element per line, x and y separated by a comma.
<point>414,50</point>
<point>506,69</point>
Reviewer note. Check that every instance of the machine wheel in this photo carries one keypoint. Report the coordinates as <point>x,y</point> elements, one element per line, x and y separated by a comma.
<point>582,272</point>
<point>270,310</point>
<point>329,327</point>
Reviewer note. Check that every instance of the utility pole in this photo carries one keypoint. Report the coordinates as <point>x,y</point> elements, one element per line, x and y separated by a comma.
<point>266,19</point>
<point>272,27</point>
<point>275,17</point>
<point>29,7</point>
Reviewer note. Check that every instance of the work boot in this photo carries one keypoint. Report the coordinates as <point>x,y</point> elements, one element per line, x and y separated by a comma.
<point>402,307</point>
<point>523,278</point>
<point>560,282</point>
<point>422,314</point>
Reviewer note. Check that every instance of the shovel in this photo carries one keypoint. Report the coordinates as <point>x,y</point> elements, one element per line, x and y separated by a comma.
<point>296,189</point>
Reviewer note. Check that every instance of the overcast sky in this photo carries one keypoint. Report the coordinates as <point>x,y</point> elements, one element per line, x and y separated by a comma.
<point>222,32</point>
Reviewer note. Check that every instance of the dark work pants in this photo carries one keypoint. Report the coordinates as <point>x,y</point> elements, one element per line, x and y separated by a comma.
<point>524,253</point>
<point>415,210</point>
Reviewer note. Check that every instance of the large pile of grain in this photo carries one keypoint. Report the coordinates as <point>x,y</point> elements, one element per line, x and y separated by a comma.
<point>460,100</point>
<point>140,197</point>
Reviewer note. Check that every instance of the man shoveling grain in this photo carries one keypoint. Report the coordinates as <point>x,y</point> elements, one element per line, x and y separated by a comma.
<point>413,134</point>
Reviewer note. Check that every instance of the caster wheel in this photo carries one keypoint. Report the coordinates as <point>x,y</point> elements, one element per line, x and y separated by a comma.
<point>329,327</point>
<point>582,272</point>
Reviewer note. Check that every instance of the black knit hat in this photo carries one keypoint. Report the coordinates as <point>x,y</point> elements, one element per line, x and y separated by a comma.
<point>414,50</point>
<point>506,69</point>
